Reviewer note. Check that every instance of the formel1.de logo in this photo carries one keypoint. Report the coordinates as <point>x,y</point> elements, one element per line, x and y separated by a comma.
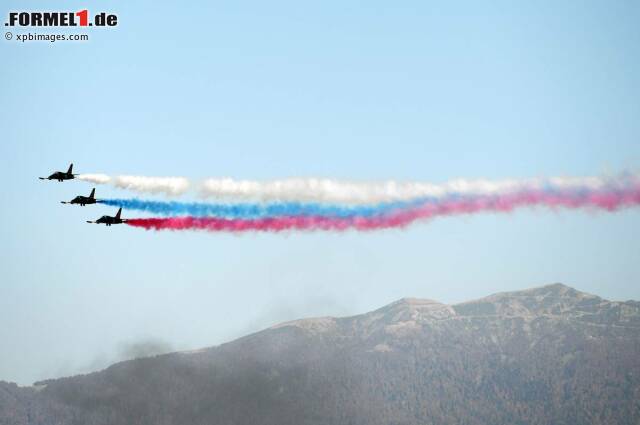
<point>81,18</point>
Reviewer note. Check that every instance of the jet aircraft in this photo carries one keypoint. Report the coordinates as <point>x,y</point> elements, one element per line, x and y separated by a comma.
<point>83,200</point>
<point>108,220</point>
<point>61,176</point>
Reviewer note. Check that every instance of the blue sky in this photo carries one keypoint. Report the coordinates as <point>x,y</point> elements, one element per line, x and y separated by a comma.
<point>357,90</point>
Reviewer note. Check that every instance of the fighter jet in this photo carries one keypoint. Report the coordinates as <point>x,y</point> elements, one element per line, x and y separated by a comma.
<point>60,176</point>
<point>83,200</point>
<point>108,220</point>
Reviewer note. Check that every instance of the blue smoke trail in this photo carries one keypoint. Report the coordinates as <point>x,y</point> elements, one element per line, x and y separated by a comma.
<point>257,210</point>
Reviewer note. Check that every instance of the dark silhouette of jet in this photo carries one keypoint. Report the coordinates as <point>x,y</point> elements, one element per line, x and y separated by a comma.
<point>83,200</point>
<point>108,220</point>
<point>60,176</point>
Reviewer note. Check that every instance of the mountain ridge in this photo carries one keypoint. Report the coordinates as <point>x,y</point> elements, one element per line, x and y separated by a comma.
<point>507,303</point>
<point>549,354</point>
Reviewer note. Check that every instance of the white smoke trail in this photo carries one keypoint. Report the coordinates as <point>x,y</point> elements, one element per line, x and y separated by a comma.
<point>350,192</point>
<point>170,186</point>
<point>327,190</point>
<point>95,178</point>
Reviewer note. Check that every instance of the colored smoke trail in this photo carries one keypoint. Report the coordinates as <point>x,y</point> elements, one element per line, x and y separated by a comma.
<point>605,200</point>
<point>336,191</point>
<point>257,210</point>
<point>170,186</point>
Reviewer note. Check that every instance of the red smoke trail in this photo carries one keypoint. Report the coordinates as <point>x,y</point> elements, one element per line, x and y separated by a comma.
<point>611,200</point>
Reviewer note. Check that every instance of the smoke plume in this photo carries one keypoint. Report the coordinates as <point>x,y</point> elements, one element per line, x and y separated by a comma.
<point>336,191</point>
<point>602,199</point>
<point>169,186</point>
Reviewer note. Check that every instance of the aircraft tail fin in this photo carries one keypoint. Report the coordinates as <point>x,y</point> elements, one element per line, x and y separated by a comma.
<point>93,193</point>
<point>118,213</point>
<point>70,169</point>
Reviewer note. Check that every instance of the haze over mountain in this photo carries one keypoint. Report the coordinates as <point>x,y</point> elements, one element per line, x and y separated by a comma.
<point>540,356</point>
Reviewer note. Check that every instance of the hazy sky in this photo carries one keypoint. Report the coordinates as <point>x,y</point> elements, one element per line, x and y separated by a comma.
<point>360,90</point>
